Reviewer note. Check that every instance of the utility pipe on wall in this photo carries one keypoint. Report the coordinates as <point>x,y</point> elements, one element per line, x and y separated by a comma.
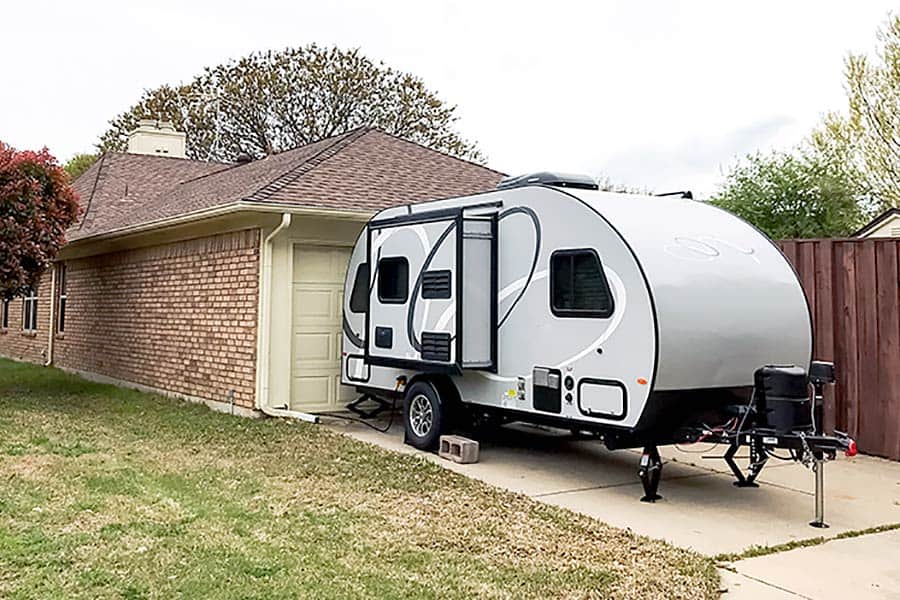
<point>265,326</point>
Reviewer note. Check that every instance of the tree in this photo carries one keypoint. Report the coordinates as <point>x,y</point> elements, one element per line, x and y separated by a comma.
<point>273,101</point>
<point>801,195</point>
<point>36,207</point>
<point>869,134</point>
<point>78,164</point>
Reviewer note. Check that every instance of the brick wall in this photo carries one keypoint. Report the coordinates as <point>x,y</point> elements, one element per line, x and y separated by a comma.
<point>179,317</point>
<point>23,345</point>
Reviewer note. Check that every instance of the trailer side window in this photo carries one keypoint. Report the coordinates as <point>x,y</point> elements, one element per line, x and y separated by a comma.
<point>578,287</point>
<point>393,280</point>
<point>359,296</point>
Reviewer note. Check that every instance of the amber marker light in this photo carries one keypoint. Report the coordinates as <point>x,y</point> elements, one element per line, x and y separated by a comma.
<point>642,381</point>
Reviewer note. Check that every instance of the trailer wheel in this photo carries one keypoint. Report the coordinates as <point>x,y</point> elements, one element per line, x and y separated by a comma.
<point>423,415</point>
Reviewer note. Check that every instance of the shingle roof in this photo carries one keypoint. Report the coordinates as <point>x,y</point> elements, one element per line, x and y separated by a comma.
<point>119,185</point>
<point>362,170</point>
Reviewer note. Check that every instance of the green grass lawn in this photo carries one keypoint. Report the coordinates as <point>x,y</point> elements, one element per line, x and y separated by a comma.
<point>112,493</point>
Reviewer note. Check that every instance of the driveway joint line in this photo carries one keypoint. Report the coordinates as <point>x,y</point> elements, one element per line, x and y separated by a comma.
<point>613,485</point>
<point>761,481</point>
<point>777,587</point>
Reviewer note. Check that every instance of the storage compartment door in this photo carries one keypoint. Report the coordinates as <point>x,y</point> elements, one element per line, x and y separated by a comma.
<point>602,398</point>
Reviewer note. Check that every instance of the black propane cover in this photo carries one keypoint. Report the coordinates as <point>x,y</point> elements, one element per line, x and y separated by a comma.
<point>782,398</point>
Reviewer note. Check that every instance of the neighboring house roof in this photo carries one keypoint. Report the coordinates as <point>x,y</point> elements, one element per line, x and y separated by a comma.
<point>868,228</point>
<point>362,170</point>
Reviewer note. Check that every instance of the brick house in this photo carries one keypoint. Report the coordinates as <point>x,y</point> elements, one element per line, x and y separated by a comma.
<point>219,282</point>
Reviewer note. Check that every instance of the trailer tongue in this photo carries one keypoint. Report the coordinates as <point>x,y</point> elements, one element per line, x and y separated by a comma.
<point>781,414</point>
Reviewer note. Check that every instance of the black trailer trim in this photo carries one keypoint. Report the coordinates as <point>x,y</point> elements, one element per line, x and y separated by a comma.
<point>460,240</point>
<point>347,368</point>
<point>495,289</point>
<point>608,383</point>
<point>551,420</point>
<point>438,214</point>
<point>414,365</point>
<point>366,356</point>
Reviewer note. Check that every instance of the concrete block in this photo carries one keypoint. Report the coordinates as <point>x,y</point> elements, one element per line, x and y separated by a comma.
<point>458,449</point>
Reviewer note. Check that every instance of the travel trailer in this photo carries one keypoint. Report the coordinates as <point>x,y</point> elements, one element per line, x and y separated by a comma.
<point>643,320</point>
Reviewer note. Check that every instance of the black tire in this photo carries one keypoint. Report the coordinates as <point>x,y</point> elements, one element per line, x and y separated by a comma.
<point>424,415</point>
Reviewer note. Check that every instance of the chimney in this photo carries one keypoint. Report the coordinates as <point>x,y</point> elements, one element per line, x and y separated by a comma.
<point>158,138</point>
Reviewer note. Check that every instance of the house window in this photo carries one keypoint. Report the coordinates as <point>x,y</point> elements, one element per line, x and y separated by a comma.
<point>4,315</point>
<point>578,287</point>
<point>359,297</point>
<point>29,310</point>
<point>393,280</point>
<point>63,298</point>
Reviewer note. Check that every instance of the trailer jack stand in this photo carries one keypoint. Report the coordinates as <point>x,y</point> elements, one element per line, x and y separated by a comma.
<point>758,460</point>
<point>358,406</point>
<point>819,469</point>
<point>650,473</point>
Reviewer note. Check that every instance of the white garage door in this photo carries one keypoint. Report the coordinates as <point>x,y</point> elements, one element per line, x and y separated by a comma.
<point>318,290</point>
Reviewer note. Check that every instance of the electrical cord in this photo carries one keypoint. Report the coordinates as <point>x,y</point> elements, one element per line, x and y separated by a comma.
<point>772,454</point>
<point>746,412</point>
<point>702,451</point>
<point>366,423</point>
<point>363,421</point>
<point>720,429</point>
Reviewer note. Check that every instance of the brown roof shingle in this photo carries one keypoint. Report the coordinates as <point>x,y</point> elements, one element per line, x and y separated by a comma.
<point>362,170</point>
<point>118,187</point>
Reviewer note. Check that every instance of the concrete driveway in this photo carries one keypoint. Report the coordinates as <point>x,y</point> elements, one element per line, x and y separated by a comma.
<point>702,510</point>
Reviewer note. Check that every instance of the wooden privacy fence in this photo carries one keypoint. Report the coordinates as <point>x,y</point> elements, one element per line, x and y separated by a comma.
<point>853,288</point>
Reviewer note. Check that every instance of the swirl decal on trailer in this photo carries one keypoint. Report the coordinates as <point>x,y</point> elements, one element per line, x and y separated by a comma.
<point>620,300</point>
<point>410,314</point>
<point>537,252</point>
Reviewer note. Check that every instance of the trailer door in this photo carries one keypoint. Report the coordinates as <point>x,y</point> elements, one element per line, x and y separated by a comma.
<point>433,290</point>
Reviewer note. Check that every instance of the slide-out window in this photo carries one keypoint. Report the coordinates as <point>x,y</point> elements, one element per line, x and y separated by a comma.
<point>359,297</point>
<point>578,286</point>
<point>393,280</point>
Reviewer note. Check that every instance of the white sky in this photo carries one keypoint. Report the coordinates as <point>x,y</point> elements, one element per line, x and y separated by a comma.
<point>651,93</point>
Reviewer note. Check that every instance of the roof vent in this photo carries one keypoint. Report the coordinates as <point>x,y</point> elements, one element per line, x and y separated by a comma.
<point>243,158</point>
<point>565,180</point>
<point>158,138</point>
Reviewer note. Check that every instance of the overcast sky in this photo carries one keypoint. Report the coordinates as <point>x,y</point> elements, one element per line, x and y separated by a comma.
<point>660,94</point>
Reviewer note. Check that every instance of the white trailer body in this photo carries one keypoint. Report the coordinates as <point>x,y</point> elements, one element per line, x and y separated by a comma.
<point>620,313</point>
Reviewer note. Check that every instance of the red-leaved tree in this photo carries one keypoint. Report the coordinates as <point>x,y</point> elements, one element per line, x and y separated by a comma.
<point>37,205</point>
